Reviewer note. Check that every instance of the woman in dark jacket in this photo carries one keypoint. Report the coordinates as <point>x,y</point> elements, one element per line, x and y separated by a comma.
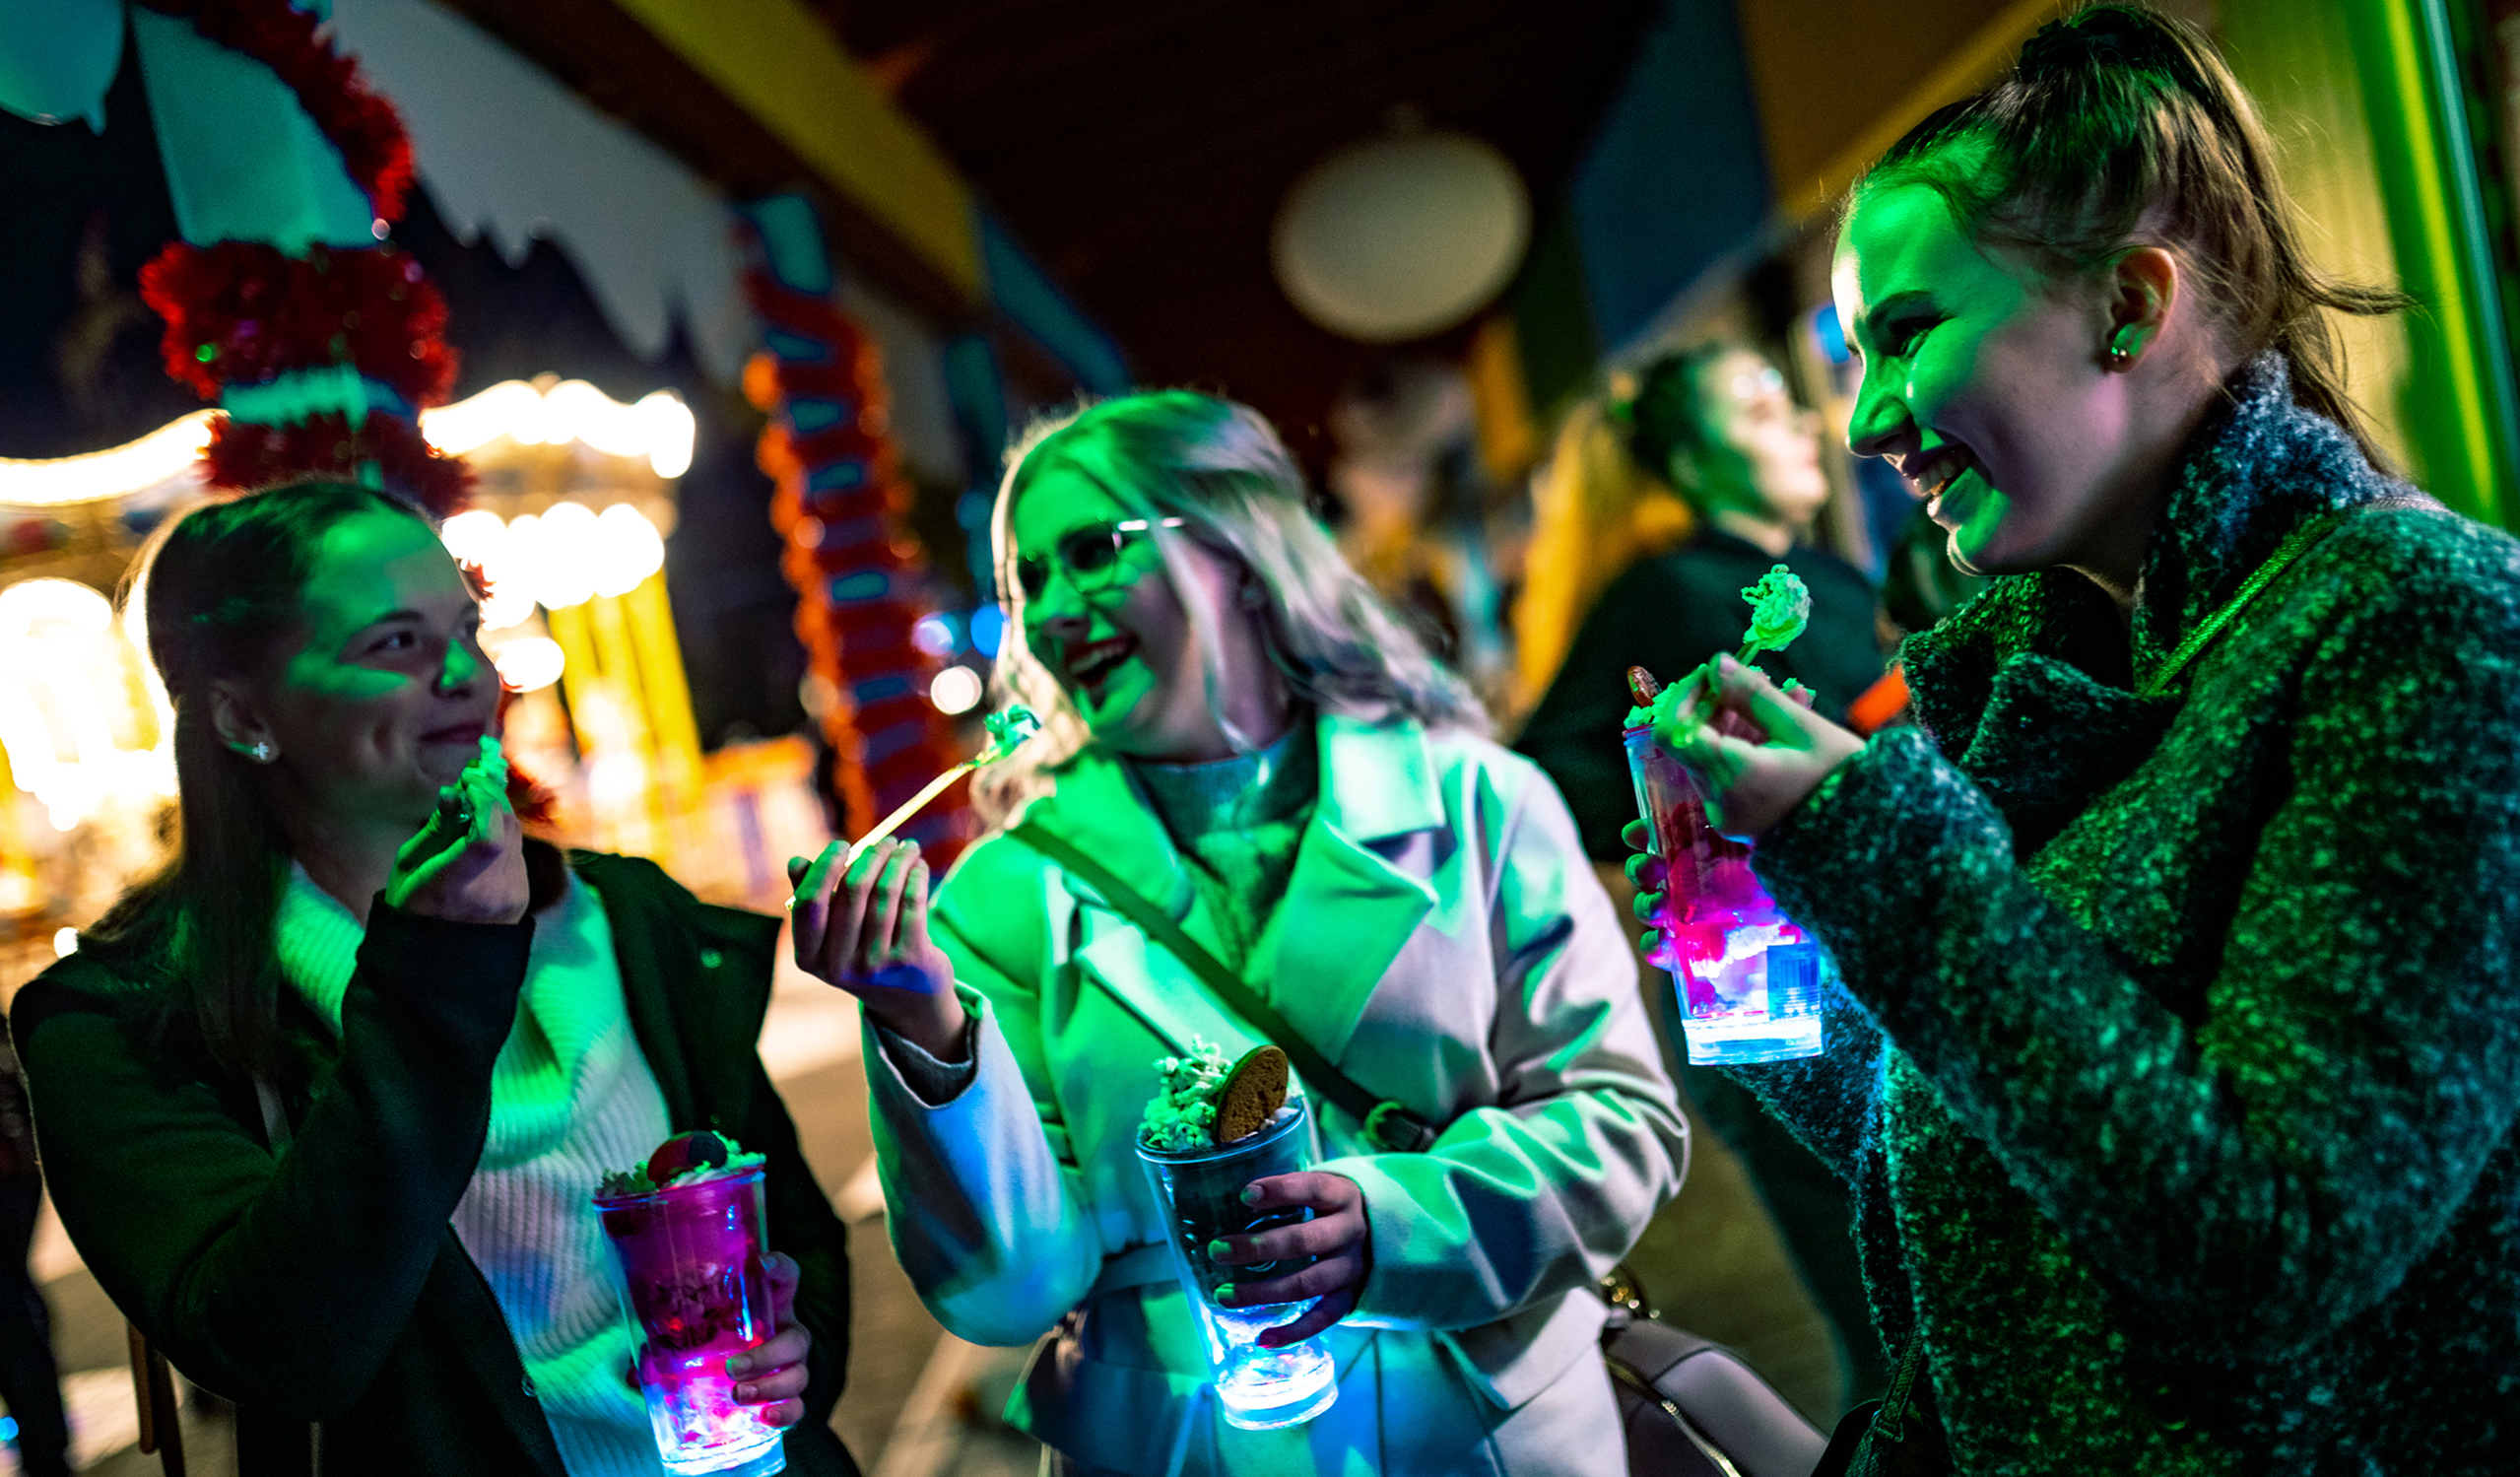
<point>1717,424</point>
<point>323,1103</point>
<point>2179,1076</point>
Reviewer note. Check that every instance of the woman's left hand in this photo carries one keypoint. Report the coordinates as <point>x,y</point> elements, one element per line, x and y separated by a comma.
<point>772,1375</point>
<point>1336,1236</point>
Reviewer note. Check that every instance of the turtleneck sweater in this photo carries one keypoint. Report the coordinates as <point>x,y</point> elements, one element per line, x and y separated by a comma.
<point>571,1096</point>
<point>1239,821</point>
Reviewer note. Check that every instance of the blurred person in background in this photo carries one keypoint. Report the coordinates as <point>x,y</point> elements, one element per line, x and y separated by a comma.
<point>1715,427</point>
<point>1240,731</point>
<point>1417,514</point>
<point>325,1103</point>
<point>2177,1061</point>
<point>1596,513</point>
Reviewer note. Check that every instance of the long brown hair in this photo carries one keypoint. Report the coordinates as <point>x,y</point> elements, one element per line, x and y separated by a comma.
<point>218,588</point>
<point>2122,127</point>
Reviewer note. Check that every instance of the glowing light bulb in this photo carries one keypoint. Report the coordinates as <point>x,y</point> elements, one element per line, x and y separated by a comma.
<point>564,556</point>
<point>628,548</point>
<point>166,453</point>
<point>955,690</point>
<point>530,664</point>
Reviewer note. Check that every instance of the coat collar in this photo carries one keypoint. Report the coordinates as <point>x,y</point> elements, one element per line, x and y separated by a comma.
<point>1359,889</point>
<point>2260,466</point>
<point>2029,686</point>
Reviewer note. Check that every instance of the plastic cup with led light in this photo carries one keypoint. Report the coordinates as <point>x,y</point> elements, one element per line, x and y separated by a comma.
<point>691,1276</point>
<point>1200,1192</point>
<point>1745,979</point>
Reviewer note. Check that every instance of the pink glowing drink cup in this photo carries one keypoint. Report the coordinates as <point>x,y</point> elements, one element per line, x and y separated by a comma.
<point>1747,979</point>
<point>690,1259</point>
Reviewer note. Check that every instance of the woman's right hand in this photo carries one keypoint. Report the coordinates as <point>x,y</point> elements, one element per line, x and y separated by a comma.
<point>466,871</point>
<point>866,932</point>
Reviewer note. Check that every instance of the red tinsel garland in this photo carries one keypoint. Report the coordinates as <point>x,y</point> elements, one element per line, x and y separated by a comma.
<point>240,313</point>
<point>888,739</point>
<point>244,454</point>
<point>362,125</point>
<point>245,313</point>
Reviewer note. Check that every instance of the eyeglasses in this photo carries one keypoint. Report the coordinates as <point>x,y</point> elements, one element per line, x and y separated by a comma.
<point>1090,555</point>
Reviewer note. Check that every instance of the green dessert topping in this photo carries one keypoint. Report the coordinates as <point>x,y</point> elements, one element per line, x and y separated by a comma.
<point>1183,1112</point>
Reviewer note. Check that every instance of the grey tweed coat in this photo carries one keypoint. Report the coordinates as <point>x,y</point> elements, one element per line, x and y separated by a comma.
<point>2178,1078</point>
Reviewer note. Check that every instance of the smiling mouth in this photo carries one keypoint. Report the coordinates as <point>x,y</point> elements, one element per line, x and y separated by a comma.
<point>1092,663</point>
<point>1932,473</point>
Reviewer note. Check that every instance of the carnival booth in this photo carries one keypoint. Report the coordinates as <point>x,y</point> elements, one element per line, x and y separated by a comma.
<point>291,303</point>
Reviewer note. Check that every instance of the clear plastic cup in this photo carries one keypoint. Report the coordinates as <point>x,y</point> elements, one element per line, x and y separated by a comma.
<point>1201,1193</point>
<point>1746,977</point>
<point>689,1271</point>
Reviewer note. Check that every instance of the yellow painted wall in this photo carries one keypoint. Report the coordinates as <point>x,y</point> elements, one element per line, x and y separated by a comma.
<point>1838,80</point>
<point>784,68</point>
<point>2297,61</point>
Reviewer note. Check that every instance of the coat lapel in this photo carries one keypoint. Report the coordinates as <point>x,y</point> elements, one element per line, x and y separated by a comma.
<point>1362,881</point>
<point>1359,887</point>
<point>1098,808</point>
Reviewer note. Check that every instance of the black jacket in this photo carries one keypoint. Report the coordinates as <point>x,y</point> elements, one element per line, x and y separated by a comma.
<point>326,1285</point>
<point>1668,615</point>
<point>2181,1104</point>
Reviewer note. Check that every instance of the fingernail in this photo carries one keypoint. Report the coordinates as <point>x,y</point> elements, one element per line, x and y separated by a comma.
<point>747,1391</point>
<point>1218,1249</point>
<point>737,1363</point>
<point>1251,1194</point>
<point>1224,1295</point>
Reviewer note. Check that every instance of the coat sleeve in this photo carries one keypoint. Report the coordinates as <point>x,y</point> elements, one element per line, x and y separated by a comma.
<point>2260,1173</point>
<point>1830,1101</point>
<point>988,1210</point>
<point>282,1284</point>
<point>1539,1193</point>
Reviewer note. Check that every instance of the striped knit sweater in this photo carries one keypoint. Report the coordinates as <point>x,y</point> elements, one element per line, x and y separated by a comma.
<point>571,1096</point>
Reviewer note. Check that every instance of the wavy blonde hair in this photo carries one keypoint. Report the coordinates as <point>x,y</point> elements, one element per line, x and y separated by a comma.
<point>1220,468</point>
<point>1595,512</point>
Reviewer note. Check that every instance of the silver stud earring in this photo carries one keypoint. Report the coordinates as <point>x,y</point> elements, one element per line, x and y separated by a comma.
<point>2120,357</point>
<point>262,753</point>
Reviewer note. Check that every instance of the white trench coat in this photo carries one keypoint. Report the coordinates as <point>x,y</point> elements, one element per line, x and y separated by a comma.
<point>1442,941</point>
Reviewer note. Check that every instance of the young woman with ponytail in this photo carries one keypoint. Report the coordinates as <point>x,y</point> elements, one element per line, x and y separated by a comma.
<point>2179,1058</point>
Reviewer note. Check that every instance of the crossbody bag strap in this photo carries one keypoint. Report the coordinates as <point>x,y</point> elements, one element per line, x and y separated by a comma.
<point>1387,1124</point>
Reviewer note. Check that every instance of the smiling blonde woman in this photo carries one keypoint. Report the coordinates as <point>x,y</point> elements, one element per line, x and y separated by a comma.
<point>1239,733</point>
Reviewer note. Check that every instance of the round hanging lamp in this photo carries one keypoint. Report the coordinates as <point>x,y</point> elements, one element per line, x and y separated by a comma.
<point>1400,237</point>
